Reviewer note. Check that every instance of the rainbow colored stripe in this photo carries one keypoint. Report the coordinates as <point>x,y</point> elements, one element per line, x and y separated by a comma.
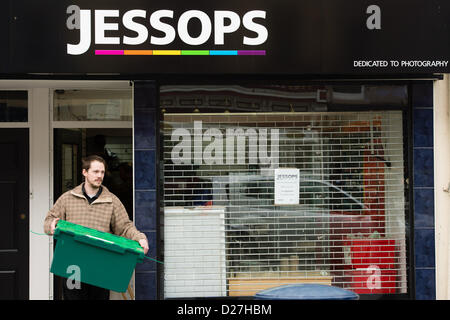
<point>180,52</point>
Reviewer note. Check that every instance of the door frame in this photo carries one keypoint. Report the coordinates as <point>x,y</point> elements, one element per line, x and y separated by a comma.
<point>24,125</point>
<point>84,125</point>
<point>16,257</point>
<point>40,125</point>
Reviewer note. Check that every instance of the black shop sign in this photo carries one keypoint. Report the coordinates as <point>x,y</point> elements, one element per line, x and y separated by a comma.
<point>273,37</point>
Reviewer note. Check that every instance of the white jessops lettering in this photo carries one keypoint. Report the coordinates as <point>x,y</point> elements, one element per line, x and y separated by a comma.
<point>255,27</point>
<point>142,32</point>
<point>183,27</point>
<point>219,25</point>
<point>167,29</point>
<point>83,17</point>
<point>239,146</point>
<point>225,22</point>
<point>101,26</point>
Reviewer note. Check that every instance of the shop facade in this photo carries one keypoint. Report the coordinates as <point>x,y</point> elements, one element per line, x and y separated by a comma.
<point>217,202</point>
<point>246,169</point>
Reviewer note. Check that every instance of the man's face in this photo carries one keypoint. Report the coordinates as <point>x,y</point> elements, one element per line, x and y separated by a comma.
<point>94,175</point>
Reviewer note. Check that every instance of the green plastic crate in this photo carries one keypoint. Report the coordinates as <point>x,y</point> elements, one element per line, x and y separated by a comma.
<point>104,260</point>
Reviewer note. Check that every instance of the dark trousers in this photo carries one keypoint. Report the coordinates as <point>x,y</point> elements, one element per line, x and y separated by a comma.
<point>86,292</point>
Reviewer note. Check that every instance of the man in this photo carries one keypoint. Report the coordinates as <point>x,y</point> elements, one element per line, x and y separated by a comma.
<point>94,206</point>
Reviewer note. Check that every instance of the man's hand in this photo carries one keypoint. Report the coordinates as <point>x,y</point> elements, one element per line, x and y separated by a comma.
<point>144,245</point>
<point>53,226</point>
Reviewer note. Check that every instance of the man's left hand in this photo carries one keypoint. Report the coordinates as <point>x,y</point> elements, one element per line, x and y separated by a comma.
<point>144,245</point>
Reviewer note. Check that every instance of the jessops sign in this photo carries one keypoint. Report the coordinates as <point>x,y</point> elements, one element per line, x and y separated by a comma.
<point>143,25</point>
<point>198,37</point>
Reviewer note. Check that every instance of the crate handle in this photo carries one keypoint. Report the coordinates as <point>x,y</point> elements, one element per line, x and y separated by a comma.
<point>99,242</point>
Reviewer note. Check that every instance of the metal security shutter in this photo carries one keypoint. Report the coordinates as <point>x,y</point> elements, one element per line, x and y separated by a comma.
<point>225,236</point>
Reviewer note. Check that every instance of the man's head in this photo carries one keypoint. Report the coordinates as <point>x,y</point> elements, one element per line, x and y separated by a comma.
<point>93,170</point>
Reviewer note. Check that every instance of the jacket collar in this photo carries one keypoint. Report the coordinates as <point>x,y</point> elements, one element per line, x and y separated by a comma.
<point>105,196</point>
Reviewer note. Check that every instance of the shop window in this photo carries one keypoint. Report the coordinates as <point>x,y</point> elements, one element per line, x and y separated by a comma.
<point>224,235</point>
<point>92,105</point>
<point>13,106</point>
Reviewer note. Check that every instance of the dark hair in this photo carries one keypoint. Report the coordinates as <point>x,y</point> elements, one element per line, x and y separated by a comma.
<point>86,161</point>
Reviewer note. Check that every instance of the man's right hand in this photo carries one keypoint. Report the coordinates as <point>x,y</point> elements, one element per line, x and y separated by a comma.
<point>53,225</point>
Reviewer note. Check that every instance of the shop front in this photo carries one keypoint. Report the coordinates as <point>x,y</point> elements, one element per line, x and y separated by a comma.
<point>255,144</point>
<point>258,186</point>
<point>272,185</point>
<point>227,228</point>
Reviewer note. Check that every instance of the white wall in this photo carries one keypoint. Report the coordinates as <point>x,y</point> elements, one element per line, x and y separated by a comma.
<point>41,285</point>
<point>442,180</point>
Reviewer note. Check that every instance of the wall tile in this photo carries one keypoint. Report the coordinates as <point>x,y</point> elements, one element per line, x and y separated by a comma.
<point>149,265</point>
<point>422,95</point>
<point>424,248</point>
<point>145,210</point>
<point>145,284</point>
<point>145,171</point>
<point>423,168</point>
<point>145,104</point>
<point>424,208</point>
<point>144,129</point>
<point>423,127</point>
<point>145,94</point>
<point>425,284</point>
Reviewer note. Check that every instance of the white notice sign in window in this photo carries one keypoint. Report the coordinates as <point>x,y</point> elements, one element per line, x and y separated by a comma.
<point>287,183</point>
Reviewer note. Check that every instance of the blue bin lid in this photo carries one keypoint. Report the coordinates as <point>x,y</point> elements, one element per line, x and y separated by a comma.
<point>306,291</point>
